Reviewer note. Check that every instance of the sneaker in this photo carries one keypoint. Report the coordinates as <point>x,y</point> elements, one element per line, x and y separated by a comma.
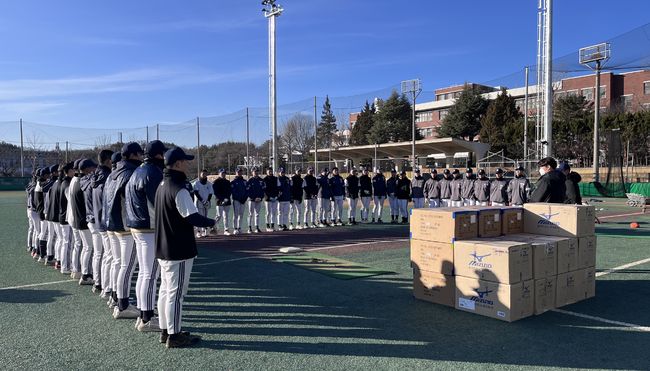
<point>130,312</point>
<point>86,281</point>
<point>96,289</point>
<point>380,221</point>
<point>184,339</point>
<point>75,275</point>
<point>198,235</point>
<point>151,326</point>
<point>284,228</point>
<point>104,294</point>
<point>299,226</point>
<point>164,335</point>
<point>236,232</point>
<point>291,227</point>
<point>257,230</point>
<point>138,321</point>
<point>57,265</point>
<point>226,233</point>
<point>339,222</point>
<point>65,272</point>
<point>40,259</point>
<point>321,225</point>
<point>111,302</point>
<point>250,230</point>
<point>49,262</point>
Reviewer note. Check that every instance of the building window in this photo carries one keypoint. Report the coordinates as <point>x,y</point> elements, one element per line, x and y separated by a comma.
<point>646,106</point>
<point>572,93</point>
<point>560,95</point>
<point>440,97</point>
<point>627,101</point>
<point>603,92</point>
<point>426,132</point>
<point>424,116</point>
<point>646,88</point>
<point>442,113</point>
<point>588,93</point>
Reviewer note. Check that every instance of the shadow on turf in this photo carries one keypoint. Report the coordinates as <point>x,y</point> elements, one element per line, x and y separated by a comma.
<point>269,307</point>
<point>30,296</point>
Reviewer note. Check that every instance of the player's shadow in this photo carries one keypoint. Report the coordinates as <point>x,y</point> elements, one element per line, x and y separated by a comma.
<point>18,296</point>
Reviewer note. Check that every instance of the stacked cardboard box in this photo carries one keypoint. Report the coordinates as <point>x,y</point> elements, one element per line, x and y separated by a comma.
<point>507,263</point>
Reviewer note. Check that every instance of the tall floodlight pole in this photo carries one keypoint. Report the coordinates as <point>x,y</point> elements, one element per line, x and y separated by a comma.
<point>248,141</point>
<point>414,88</point>
<point>315,137</point>
<point>198,147</point>
<point>548,80</point>
<point>22,155</point>
<point>526,118</point>
<point>271,11</point>
<point>594,57</point>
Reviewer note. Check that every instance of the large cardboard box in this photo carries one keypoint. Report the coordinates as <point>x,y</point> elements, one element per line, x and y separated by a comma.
<point>588,282</point>
<point>586,252</point>
<point>567,251</point>
<point>559,219</point>
<point>493,260</point>
<point>496,300</point>
<point>489,220</point>
<point>434,287</point>
<point>512,220</point>
<point>569,287</point>
<point>545,294</point>
<point>544,259</point>
<point>444,224</point>
<point>430,256</point>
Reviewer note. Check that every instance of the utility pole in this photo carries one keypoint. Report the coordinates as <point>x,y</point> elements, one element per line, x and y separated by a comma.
<point>198,147</point>
<point>22,149</point>
<point>147,133</point>
<point>272,11</point>
<point>66,151</point>
<point>315,138</point>
<point>526,118</point>
<point>158,131</point>
<point>414,88</point>
<point>548,80</point>
<point>248,156</point>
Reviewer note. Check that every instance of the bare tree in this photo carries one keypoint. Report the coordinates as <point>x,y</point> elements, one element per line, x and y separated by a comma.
<point>297,135</point>
<point>34,149</point>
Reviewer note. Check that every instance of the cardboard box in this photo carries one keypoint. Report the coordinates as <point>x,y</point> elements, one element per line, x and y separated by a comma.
<point>434,287</point>
<point>512,220</point>
<point>444,224</point>
<point>559,219</point>
<point>586,252</point>
<point>567,251</point>
<point>489,220</point>
<point>429,256</point>
<point>545,294</point>
<point>569,286</point>
<point>588,288</point>
<point>544,259</point>
<point>493,260</point>
<point>497,300</point>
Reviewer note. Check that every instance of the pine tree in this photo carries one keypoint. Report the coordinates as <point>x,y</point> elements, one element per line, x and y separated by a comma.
<point>464,117</point>
<point>572,127</point>
<point>393,121</point>
<point>501,113</point>
<point>363,125</point>
<point>327,125</point>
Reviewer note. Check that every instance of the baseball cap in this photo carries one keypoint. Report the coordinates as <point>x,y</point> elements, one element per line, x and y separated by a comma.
<point>54,168</point>
<point>417,170</point>
<point>75,164</point>
<point>67,167</point>
<point>39,171</point>
<point>469,170</point>
<point>403,172</point>
<point>222,170</point>
<point>155,147</point>
<point>564,166</point>
<point>45,171</point>
<point>520,168</point>
<point>281,170</point>
<point>131,148</point>
<point>446,171</point>
<point>499,170</point>
<point>325,170</point>
<point>116,157</point>
<point>176,154</point>
<point>87,163</point>
<point>481,172</point>
<point>456,171</point>
<point>434,171</point>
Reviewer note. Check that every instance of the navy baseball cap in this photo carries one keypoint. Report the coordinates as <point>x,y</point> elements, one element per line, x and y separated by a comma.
<point>520,168</point>
<point>456,171</point>
<point>116,157</point>
<point>39,171</point>
<point>176,154</point>
<point>222,170</point>
<point>75,164</point>
<point>564,166</point>
<point>155,148</point>
<point>499,171</point>
<point>281,170</point>
<point>481,172</point>
<point>45,171</point>
<point>67,167</point>
<point>54,169</point>
<point>131,148</point>
<point>434,171</point>
<point>417,170</point>
<point>87,163</point>
<point>469,170</point>
<point>446,171</point>
<point>325,170</point>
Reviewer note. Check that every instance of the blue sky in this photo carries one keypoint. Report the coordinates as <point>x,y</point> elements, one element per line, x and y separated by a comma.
<point>132,63</point>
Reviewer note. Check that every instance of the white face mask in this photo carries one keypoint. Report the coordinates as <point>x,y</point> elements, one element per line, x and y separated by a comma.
<point>542,171</point>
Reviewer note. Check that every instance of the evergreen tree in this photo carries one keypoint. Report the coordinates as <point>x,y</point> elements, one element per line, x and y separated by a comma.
<point>393,121</point>
<point>327,125</point>
<point>361,128</point>
<point>464,117</point>
<point>572,128</point>
<point>501,113</point>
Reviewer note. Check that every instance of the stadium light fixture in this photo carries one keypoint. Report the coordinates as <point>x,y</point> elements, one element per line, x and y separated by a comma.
<point>272,10</point>
<point>413,87</point>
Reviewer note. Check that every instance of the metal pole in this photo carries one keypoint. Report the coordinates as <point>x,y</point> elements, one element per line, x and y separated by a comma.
<point>526,118</point>
<point>158,131</point>
<point>272,92</point>
<point>248,156</point>
<point>596,122</point>
<point>22,149</point>
<point>538,93</point>
<point>147,133</point>
<point>315,138</point>
<point>548,80</point>
<point>66,151</point>
<point>375,157</point>
<point>413,130</point>
<point>198,147</point>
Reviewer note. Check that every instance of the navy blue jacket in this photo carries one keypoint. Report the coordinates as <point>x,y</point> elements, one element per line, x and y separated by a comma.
<point>296,188</point>
<point>114,195</point>
<point>337,185</point>
<point>97,183</point>
<point>255,188</point>
<point>365,184</point>
<point>391,186</point>
<point>141,194</point>
<point>85,183</point>
<point>310,185</point>
<point>271,189</point>
<point>238,189</point>
<point>222,191</point>
<point>352,186</point>
<point>284,194</point>
<point>324,190</point>
<point>379,185</point>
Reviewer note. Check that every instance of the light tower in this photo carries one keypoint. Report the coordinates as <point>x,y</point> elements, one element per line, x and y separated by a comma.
<point>414,88</point>
<point>544,128</point>
<point>272,10</point>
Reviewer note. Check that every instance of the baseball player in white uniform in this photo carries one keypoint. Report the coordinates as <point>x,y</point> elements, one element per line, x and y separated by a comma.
<point>202,196</point>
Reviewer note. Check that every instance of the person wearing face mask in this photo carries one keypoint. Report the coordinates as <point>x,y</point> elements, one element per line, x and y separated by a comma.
<point>223,195</point>
<point>467,190</point>
<point>572,189</point>
<point>456,189</point>
<point>518,188</point>
<point>403,195</point>
<point>432,190</point>
<point>445,188</point>
<point>417,189</point>
<point>482,189</point>
<point>499,190</point>
<point>391,189</point>
<point>551,185</point>
<point>202,190</point>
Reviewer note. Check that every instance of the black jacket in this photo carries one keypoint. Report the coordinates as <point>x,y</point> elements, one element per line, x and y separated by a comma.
<point>97,183</point>
<point>174,234</point>
<point>550,187</point>
<point>63,200</point>
<point>352,186</point>
<point>403,189</point>
<point>271,189</point>
<point>78,207</point>
<point>85,183</point>
<point>324,189</point>
<point>284,194</point>
<point>238,189</point>
<point>310,186</point>
<point>365,186</point>
<point>55,201</point>
<point>114,195</point>
<point>572,189</point>
<point>337,185</point>
<point>223,190</point>
<point>140,194</point>
<point>296,188</point>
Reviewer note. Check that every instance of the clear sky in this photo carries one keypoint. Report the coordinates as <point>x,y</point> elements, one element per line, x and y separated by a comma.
<point>133,63</point>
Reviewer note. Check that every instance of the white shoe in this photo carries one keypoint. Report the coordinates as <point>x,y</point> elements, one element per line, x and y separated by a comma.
<point>236,232</point>
<point>226,233</point>
<point>103,295</point>
<point>138,321</point>
<point>85,282</point>
<point>151,326</point>
<point>65,272</point>
<point>321,225</point>
<point>130,312</point>
<point>269,229</point>
<point>111,303</point>
<point>291,228</point>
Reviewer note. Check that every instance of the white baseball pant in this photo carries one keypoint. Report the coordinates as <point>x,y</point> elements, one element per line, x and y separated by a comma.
<point>204,212</point>
<point>324,209</point>
<point>434,203</point>
<point>295,212</point>
<point>337,208</point>
<point>43,236</point>
<point>418,203</point>
<point>456,203</point>
<point>238,213</point>
<point>469,202</point>
<point>403,207</point>
<point>77,245</point>
<point>128,261</point>
<point>174,282</point>
<point>223,215</point>
<point>352,208</point>
<point>54,226</point>
<point>30,230</point>
<point>107,263</point>
<point>378,207</point>
<point>283,215</point>
<point>51,238</point>
<point>65,247</point>
<point>365,207</point>
<point>86,251</point>
<point>254,208</point>
<point>482,203</point>
<point>98,253</point>
<point>310,211</point>
<point>36,231</point>
<point>394,206</point>
<point>148,269</point>
<point>115,260</point>
<point>445,202</point>
<point>271,211</point>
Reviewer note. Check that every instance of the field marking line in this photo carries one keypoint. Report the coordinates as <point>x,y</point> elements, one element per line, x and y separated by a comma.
<point>604,320</point>
<point>619,215</point>
<point>35,285</point>
<point>225,261</point>
<point>356,244</point>
<point>624,266</point>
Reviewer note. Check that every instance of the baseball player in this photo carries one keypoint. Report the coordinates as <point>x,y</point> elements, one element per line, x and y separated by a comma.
<point>202,195</point>
<point>310,188</point>
<point>519,188</point>
<point>122,243</point>
<point>255,191</point>
<point>391,190</point>
<point>42,189</point>
<point>403,195</point>
<point>29,190</point>
<point>432,190</point>
<point>222,190</point>
<point>324,198</point>
<point>379,191</point>
<point>445,188</point>
<point>499,189</point>
<point>365,189</point>
<point>140,193</point>
<point>284,200</point>
<point>97,227</point>
<point>467,188</point>
<point>482,189</point>
<point>52,217</point>
<point>337,186</point>
<point>86,168</point>
<point>175,217</point>
<point>71,214</point>
<point>271,190</point>
<point>456,185</point>
<point>239,196</point>
<point>296,210</point>
<point>352,193</point>
<point>417,189</point>
<point>65,229</point>
<point>100,179</point>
